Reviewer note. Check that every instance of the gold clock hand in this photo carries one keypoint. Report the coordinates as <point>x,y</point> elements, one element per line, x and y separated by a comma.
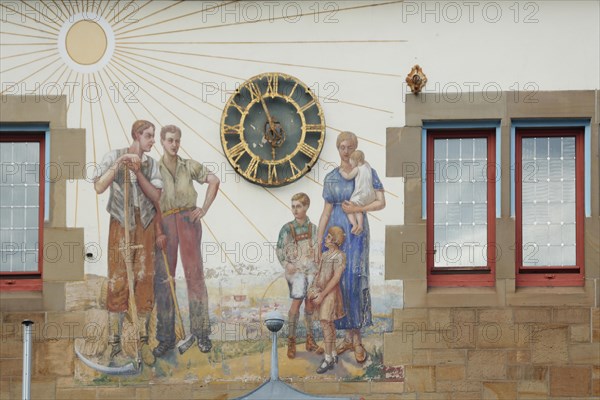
<point>269,118</point>
<point>273,134</point>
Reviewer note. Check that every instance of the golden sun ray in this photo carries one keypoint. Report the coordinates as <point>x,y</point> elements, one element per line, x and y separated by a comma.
<point>335,100</point>
<point>65,86</point>
<point>169,94</point>
<point>50,8</point>
<point>95,160</point>
<point>27,16</point>
<point>30,75</point>
<point>197,134</point>
<point>139,102</point>
<point>104,10</point>
<point>154,13</point>
<point>102,114</point>
<point>245,216</point>
<point>173,73</point>
<point>116,3</point>
<point>29,44</point>
<point>218,151</point>
<point>280,42</point>
<point>60,9</point>
<point>179,17</point>
<point>28,27</point>
<point>176,74</point>
<point>81,101</point>
<point>276,198</point>
<point>115,110</point>
<point>116,84</point>
<point>120,11</point>
<point>26,54</point>
<point>31,36</point>
<point>267,62</point>
<point>42,83</point>
<point>271,19</point>
<point>121,52</point>
<point>165,91</point>
<point>65,68</point>
<point>222,192</point>
<point>122,20</point>
<point>178,64</point>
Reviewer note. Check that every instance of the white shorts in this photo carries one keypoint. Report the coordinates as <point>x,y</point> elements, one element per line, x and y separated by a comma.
<point>299,282</point>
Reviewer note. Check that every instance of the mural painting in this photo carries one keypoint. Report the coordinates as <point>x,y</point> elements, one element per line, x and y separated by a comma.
<point>156,326</point>
<point>196,155</point>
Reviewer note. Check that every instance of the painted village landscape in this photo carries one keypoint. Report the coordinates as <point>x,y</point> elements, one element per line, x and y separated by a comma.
<point>241,343</point>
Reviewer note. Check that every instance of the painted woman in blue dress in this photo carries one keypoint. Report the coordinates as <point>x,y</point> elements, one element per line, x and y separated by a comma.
<point>355,279</point>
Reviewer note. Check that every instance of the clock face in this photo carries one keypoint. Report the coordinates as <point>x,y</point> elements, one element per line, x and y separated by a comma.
<point>272,129</point>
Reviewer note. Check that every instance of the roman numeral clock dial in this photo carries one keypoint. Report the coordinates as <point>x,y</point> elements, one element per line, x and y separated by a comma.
<point>272,129</point>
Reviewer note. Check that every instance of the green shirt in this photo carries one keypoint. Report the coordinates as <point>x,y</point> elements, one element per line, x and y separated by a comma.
<point>298,252</point>
<point>178,191</point>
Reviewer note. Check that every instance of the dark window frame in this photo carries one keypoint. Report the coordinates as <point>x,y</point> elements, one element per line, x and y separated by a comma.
<point>467,276</point>
<point>29,281</point>
<point>553,276</point>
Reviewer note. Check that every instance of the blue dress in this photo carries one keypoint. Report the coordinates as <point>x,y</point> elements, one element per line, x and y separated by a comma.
<point>355,279</point>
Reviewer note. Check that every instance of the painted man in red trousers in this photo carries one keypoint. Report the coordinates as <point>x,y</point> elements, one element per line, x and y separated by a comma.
<point>181,227</point>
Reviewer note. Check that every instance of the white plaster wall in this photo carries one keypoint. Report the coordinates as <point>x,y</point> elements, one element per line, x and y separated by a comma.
<point>461,46</point>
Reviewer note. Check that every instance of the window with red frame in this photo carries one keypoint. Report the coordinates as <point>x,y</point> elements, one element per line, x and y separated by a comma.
<point>549,205</point>
<point>21,210</point>
<point>461,207</point>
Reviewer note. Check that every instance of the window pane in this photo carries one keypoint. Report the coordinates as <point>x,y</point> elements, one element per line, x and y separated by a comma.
<point>480,149</point>
<point>32,217</point>
<point>460,197</point>
<point>453,213</point>
<point>33,152</point>
<point>466,213</point>
<point>19,152</point>
<point>466,191</point>
<point>479,171</point>
<point>548,201</point>
<point>528,149</point>
<point>453,192</point>
<point>30,173</point>
<point>453,149</point>
<point>31,238</point>
<point>441,193</point>
<point>6,152</point>
<point>18,194</point>
<point>32,194</point>
<point>19,206</point>
<point>440,216</point>
<point>452,171</point>
<point>18,218</point>
<point>440,148</point>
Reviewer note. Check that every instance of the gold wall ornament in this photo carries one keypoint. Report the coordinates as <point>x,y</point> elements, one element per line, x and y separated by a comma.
<point>416,79</point>
<point>272,129</point>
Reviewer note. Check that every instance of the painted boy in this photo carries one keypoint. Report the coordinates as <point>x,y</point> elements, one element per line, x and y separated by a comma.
<point>296,249</point>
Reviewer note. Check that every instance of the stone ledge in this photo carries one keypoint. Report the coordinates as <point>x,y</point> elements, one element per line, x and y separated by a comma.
<point>418,295</point>
<point>21,301</point>
<point>551,296</point>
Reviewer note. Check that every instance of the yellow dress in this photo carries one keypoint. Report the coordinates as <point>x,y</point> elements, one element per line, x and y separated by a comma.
<point>332,307</point>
